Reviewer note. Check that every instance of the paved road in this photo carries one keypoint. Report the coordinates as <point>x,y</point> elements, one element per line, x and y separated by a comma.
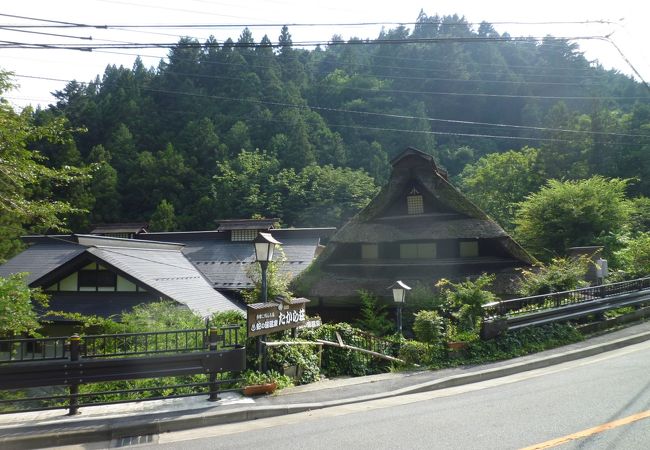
<point>599,402</point>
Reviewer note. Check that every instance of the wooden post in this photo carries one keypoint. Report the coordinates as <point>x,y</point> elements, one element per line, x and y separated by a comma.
<point>73,406</point>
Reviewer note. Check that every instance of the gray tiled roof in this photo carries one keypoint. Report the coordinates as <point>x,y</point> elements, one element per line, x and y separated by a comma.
<point>40,259</point>
<point>225,264</point>
<point>160,266</point>
<point>170,273</point>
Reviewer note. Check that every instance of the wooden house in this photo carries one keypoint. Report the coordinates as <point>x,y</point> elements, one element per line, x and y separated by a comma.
<point>418,229</point>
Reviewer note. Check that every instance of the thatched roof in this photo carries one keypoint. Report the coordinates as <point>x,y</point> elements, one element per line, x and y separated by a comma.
<point>458,217</point>
<point>409,229</point>
<point>449,215</point>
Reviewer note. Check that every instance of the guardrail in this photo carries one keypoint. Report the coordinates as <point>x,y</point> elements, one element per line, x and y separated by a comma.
<point>526,305</point>
<point>216,353</point>
<point>562,306</point>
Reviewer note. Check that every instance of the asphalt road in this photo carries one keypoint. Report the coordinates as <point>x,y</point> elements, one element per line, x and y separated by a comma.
<point>600,402</point>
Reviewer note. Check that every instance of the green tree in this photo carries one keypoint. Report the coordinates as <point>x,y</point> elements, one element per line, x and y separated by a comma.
<point>634,258</point>
<point>327,196</point>
<point>163,218</point>
<point>560,274</point>
<point>499,181</point>
<point>567,214</point>
<point>28,187</point>
<point>277,279</point>
<point>245,186</point>
<point>373,315</point>
<point>104,188</point>
<point>18,303</point>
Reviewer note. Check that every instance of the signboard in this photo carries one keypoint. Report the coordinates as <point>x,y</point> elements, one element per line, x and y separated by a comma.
<point>266,318</point>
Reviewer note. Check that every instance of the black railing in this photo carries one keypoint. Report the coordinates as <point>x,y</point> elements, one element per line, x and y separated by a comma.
<point>117,345</point>
<point>214,354</point>
<point>37,349</point>
<point>519,306</point>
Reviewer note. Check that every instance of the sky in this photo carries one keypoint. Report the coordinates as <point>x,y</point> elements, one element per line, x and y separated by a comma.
<point>627,29</point>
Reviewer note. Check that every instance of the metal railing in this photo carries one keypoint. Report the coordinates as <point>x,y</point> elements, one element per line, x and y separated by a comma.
<point>117,345</point>
<point>525,305</point>
<point>215,355</point>
<point>36,349</point>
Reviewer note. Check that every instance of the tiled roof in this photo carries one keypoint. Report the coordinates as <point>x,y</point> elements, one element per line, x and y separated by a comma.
<point>225,264</point>
<point>160,266</point>
<point>246,224</point>
<point>170,273</point>
<point>38,260</point>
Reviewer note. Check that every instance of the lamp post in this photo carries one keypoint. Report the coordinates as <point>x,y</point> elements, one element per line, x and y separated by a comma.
<point>399,296</point>
<point>264,247</point>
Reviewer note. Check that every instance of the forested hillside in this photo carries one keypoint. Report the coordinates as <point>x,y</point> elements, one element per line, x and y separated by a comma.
<point>241,128</point>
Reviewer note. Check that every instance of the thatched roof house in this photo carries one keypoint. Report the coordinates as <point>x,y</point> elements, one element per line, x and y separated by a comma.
<point>419,228</point>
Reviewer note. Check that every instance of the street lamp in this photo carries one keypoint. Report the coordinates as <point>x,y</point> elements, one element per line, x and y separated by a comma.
<point>399,296</point>
<point>264,246</point>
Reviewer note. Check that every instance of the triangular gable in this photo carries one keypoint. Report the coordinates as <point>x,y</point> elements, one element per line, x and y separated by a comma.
<point>160,268</point>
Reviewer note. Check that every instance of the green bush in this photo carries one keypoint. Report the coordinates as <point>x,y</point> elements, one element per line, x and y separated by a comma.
<point>428,327</point>
<point>341,361</point>
<point>464,301</point>
<point>561,274</point>
<point>420,297</point>
<point>253,377</point>
<point>305,357</point>
<point>634,258</point>
<point>415,353</point>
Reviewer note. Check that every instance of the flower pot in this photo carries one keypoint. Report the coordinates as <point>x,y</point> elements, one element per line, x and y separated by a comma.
<point>260,389</point>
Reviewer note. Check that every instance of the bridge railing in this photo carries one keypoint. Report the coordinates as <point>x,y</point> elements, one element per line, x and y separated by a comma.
<point>524,305</point>
<point>117,345</point>
<point>202,360</point>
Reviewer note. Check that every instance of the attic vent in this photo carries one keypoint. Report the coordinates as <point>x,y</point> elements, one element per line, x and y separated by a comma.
<point>243,235</point>
<point>414,202</point>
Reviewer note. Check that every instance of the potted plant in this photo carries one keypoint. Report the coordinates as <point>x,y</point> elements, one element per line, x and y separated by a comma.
<point>258,383</point>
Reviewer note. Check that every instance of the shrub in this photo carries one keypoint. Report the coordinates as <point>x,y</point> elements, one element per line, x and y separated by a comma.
<point>302,356</point>
<point>561,274</point>
<point>415,353</point>
<point>253,377</point>
<point>421,297</point>
<point>374,316</point>
<point>160,316</point>
<point>341,361</point>
<point>428,327</point>
<point>635,257</point>
<point>464,301</point>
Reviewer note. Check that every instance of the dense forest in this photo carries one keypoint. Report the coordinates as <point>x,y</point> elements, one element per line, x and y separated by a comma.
<point>243,128</point>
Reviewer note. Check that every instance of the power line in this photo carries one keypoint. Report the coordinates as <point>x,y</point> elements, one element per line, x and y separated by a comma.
<point>68,24</point>
<point>425,132</point>
<point>387,115</point>
<point>89,38</point>
<point>407,41</point>
<point>59,24</point>
<point>628,62</point>
<point>388,91</point>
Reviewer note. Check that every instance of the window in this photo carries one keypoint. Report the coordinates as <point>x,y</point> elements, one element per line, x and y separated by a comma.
<point>468,249</point>
<point>243,235</point>
<point>422,250</point>
<point>369,251</point>
<point>96,279</point>
<point>414,203</point>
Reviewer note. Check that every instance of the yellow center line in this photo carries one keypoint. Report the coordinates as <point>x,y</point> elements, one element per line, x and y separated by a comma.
<point>590,431</point>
